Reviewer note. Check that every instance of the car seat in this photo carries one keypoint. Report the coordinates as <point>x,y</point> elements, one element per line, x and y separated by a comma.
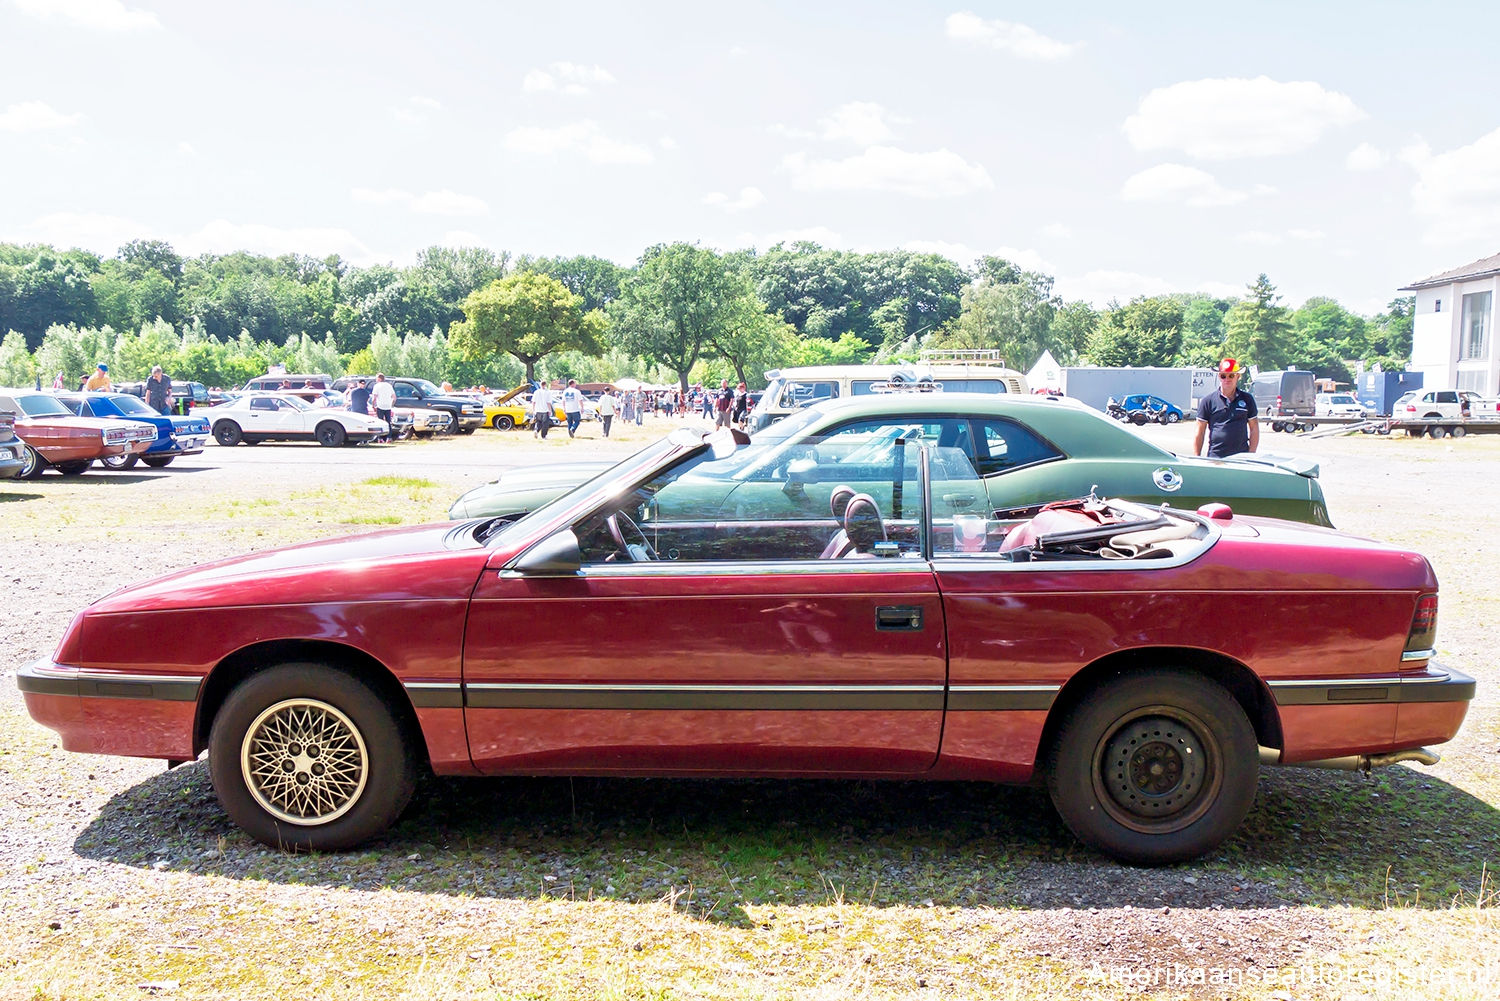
<point>838,502</point>
<point>864,526</point>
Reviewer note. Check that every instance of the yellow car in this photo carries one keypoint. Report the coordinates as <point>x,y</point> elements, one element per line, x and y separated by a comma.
<point>503,415</point>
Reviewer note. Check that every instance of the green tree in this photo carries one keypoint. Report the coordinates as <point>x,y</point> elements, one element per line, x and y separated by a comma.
<point>682,298</point>
<point>595,280</point>
<point>1006,309</point>
<point>1147,331</point>
<point>1256,328</point>
<point>529,316</point>
<point>16,365</point>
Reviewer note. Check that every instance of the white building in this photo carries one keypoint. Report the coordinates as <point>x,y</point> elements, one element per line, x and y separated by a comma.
<point>1454,326</point>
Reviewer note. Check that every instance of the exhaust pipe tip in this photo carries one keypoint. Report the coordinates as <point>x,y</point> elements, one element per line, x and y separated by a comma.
<point>1271,756</point>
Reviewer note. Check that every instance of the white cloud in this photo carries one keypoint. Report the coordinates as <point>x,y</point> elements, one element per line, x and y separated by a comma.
<point>585,138</point>
<point>186,148</point>
<point>1366,157</point>
<point>1259,238</point>
<point>1222,119</point>
<point>1057,231</point>
<point>461,238</point>
<point>102,15</point>
<point>938,174</point>
<point>1457,193</point>
<point>1006,36</point>
<point>860,122</point>
<point>35,116</point>
<point>1173,182</point>
<point>566,78</point>
<point>103,234</point>
<point>748,198</point>
<point>1101,286</point>
<point>667,143</point>
<point>415,110</point>
<point>444,202</point>
<point>1306,234</point>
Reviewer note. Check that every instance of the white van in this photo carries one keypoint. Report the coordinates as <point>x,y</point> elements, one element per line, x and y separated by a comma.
<point>789,389</point>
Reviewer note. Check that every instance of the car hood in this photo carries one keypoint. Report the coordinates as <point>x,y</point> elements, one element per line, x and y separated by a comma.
<point>523,488</point>
<point>424,561</point>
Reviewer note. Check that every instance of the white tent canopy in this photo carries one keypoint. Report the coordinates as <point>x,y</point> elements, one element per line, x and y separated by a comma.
<point>1045,374</point>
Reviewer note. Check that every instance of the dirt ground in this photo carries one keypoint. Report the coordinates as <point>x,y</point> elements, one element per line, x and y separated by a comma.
<point>119,880</point>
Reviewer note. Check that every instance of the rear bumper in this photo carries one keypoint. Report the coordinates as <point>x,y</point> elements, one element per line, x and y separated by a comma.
<point>1333,717</point>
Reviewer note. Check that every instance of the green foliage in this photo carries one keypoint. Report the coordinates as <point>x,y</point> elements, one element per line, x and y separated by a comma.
<point>527,315</point>
<point>1147,331</point>
<point>1257,330</point>
<point>1202,331</point>
<point>16,367</point>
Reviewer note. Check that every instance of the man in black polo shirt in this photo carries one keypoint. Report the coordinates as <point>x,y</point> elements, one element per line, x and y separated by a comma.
<point>1228,414</point>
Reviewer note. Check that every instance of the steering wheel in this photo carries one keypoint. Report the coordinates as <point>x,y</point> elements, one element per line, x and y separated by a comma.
<point>620,525</point>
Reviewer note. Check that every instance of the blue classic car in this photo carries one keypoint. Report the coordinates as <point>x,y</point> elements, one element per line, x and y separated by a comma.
<point>174,435</point>
<point>1143,408</point>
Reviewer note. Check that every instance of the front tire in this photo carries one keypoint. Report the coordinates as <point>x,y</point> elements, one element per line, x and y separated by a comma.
<point>158,461</point>
<point>331,434</point>
<point>1154,768</point>
<point>125,461</point>
<point>1173,417</point>
<point>307,757</point>
<point>227,433</point>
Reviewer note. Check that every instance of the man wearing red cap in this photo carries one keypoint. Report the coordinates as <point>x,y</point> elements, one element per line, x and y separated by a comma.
<point>1228,414</point>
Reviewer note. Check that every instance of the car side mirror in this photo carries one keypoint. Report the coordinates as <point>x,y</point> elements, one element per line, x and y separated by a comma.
<point>558,555</point>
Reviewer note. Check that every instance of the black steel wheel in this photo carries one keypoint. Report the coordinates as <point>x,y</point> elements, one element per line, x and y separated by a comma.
<point>227,433</point>
<point>1154,768</point>
<point>304,756</point>
<point>331,434</point>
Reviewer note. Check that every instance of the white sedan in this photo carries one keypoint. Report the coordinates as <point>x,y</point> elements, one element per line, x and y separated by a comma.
<point>257,417</point>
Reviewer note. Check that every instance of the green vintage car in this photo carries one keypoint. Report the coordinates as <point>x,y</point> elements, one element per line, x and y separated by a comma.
<point>996,456</point>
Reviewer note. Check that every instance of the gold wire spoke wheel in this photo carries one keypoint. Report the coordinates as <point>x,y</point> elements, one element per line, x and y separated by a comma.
<point>305,762</point>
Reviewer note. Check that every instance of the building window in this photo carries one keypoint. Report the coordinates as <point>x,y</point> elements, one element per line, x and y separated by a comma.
<point>1437,305</point>
<point>1474,327</point>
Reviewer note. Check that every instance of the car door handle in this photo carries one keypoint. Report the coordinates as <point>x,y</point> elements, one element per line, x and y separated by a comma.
<point>906,618</point>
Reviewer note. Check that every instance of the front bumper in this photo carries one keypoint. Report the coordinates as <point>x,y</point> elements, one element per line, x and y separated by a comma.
<point>113,712</point>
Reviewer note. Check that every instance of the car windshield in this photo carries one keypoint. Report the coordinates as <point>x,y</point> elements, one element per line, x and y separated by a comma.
<point>1341,398</point>
<point>296,402</point>
<point>622,471</point>
<point>41,406</point>
<point>130,405</point>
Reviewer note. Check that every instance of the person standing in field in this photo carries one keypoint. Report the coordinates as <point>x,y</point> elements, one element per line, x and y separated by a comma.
<point>607,410</point>
<point>383,396</point>
<point>1227,416</point>
<point>159,391</point>
<point>541,411</point>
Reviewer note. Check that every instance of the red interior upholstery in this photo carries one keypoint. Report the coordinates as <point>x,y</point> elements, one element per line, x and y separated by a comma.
<point>1046,522</point>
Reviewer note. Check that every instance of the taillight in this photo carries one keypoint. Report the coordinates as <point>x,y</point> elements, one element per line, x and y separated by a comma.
<point>1423,636</point>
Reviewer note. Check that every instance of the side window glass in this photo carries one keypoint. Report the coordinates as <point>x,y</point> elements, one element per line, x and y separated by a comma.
<point>1005,445</point>
<point>405,392</point>
<point>263,403</point>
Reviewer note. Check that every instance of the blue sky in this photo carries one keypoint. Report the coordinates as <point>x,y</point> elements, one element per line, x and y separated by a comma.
<point>1344,149</point>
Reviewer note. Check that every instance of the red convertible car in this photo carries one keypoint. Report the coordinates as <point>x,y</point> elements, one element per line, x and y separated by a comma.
<point>1141,661</point>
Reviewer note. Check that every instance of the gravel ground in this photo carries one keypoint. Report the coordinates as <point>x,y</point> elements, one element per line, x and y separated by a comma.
<point>116,876</point>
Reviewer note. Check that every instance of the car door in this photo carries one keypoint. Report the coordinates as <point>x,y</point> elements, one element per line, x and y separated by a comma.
<point>713,656</point>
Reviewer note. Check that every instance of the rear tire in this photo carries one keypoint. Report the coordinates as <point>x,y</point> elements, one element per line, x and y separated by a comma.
<point>32,463</point>
<point>1458,432</point>
<point>227,433</point>
<point>1436,432</point>
<point>158,461</point>
<point>76,468</point>
<point>307,757</point>
<point>504,422</point>
<point>331,434</point>
<point>1173,417</point>
<point>1154,768</point>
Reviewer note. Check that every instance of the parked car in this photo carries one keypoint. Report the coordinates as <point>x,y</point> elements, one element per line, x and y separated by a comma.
<point>174,435</point>
<point>905,636</point>
<point>185,395</point>
<point>790,389</point>
<point>467,412</point>
<point>1143,408</point>
<point>1431,404</point>
<point>11,462</point>
<point>1338,405</point>
<point>53,437</point>
<point>1027,451</point>
<point>260,416</point>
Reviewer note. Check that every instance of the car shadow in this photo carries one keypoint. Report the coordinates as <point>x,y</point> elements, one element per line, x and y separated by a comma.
<point>1399,837</point>
<point>6,496</point>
